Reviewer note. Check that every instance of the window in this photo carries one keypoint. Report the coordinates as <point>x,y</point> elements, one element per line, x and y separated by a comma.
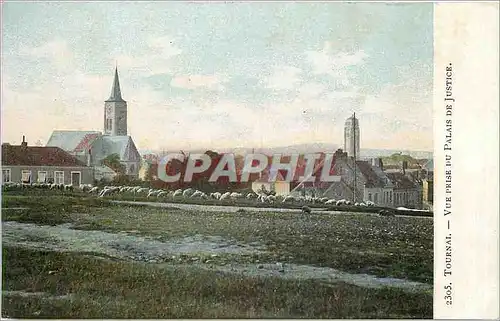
<point>26,176</point>
<point>375,198</point>
<point>42,176</point>
<point>370,197</point>
<point>50,178</point>
<point>59,177</point>
<point>6,175</point>
<point>109,123</point>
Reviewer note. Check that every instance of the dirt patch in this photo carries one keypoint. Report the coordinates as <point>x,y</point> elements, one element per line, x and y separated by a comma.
<point>147,249</point>
<point>328,275</point>
<point>121,245</point>
<point>42,295</point>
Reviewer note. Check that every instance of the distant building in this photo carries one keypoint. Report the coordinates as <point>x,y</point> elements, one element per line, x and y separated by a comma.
<point>94,146</point>
<point>428,185</point>
<point>406,192</point>
<point>351,137</point>
<point>278,185</point>
<point>427,193</point>
<point>35,164</point>
<point>378,188</point>
<point>372,183</point>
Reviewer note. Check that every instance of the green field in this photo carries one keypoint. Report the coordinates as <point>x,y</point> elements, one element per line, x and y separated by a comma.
<point>93,282</point>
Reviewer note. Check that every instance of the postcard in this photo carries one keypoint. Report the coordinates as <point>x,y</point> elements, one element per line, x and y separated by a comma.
<point>314,160</point>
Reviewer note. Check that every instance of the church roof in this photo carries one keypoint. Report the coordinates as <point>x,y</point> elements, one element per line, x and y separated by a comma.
<point>69,140</point>
<point>100,145</point>
<point>116,94</point>
<point>115,145</point>
<point>123,146</point>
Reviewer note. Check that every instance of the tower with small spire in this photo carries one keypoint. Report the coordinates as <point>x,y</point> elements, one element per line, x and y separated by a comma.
<point>351,137</point>
<point>115,111</point>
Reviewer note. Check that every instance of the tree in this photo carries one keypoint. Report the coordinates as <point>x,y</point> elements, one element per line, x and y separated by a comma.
<point>113,162</point>
<point>148,169</point>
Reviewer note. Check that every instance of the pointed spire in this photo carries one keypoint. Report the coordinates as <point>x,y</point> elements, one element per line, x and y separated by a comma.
<point>116,94</point>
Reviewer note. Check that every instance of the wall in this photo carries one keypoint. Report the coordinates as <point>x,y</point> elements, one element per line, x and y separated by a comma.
<point>15,173</point>
<point>338,191</point>
<point>428,191</point>
<point>281,188</point>
<point>410,198</point>
<point>344,168</point>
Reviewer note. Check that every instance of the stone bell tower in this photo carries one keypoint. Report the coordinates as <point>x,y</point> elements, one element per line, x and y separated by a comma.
<point>115,111</point>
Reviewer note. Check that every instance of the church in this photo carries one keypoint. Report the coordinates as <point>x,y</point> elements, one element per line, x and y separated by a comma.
<point>92,147</point>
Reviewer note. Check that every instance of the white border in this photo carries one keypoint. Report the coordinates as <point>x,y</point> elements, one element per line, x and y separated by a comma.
<point>466,34</point>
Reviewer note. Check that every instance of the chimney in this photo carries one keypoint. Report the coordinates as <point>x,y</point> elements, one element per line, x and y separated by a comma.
<point>405,166</point>
<point>89,158</point>
<point>24,143</point>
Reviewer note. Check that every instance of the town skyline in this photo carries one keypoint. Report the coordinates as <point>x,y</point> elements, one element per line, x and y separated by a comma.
<point>212,84</point>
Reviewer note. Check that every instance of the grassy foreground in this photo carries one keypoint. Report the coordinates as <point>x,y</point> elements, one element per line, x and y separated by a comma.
<point>109,289</point>
<point>102,288</point>
<point>400,247</point>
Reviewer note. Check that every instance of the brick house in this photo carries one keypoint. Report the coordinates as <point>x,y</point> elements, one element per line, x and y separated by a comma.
<point>34,164</point>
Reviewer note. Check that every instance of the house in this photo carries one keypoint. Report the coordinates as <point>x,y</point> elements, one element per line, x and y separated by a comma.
<point>34,164</point>
<point>266,183</point>
<point>362,181</point>
<point>96,145</point>
<point>378,188</point>
<point>405,192</point>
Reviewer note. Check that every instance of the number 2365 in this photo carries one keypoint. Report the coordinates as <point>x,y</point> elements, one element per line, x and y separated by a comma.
<point>448,298</point>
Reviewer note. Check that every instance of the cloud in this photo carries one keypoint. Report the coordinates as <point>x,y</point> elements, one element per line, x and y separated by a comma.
<point>211,82</point>
<point>400,114</point>
<point>298,108</point>
<point>283,78</point>
<point>54,49</point>
<point>327,62</point>
<point>311,89</point>
<point>157,58</point>
<point>164,46</point>
<point>38,112</point>
<point>56,52</point>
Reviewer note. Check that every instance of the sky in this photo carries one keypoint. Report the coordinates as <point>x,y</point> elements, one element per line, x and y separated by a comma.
<point>219,75</point>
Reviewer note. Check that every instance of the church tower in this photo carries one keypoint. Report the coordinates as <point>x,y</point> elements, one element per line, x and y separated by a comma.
<point>351,137</point>
<point>115,111</point>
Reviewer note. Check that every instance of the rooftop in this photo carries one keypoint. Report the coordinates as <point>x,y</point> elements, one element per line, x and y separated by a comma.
<point>19,155</point>
<point>372,179</point>
<point>400,181</point>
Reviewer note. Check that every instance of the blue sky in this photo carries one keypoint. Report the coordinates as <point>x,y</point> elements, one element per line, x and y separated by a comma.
<point>221,75</point>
